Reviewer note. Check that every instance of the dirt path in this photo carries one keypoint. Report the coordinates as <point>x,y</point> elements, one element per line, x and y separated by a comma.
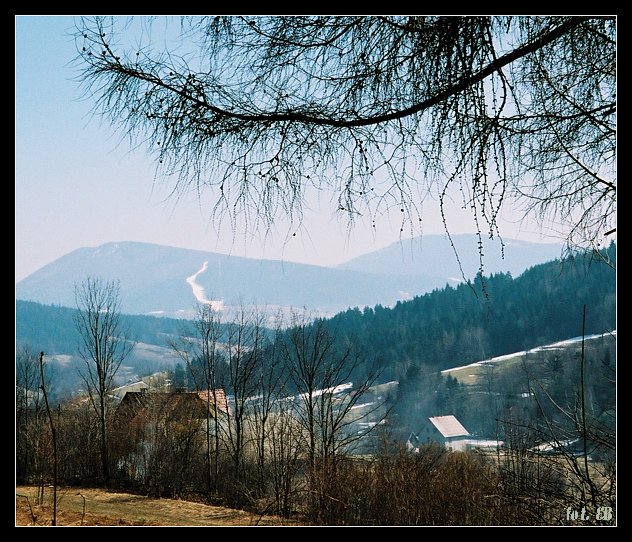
<point>108,508</point>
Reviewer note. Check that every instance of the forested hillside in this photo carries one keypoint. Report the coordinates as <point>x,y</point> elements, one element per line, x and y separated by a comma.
<point>498,315</point>
<point>51,327</point>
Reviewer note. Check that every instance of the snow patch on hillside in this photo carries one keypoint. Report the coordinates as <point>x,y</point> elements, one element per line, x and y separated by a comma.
<point>552,346</point>
<point>200,293</point>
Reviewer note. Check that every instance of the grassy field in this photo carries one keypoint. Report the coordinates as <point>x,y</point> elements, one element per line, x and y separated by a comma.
<point>105,508</point>
<point>478,375</point>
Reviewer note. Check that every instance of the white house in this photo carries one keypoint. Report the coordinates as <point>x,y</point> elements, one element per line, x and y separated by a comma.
<point>446,430</point>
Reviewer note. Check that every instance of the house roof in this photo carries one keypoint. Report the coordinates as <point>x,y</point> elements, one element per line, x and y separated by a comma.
<point>216,396</point>
<point>449,426</point>
<point>134,386</point>
<point>136,405</point>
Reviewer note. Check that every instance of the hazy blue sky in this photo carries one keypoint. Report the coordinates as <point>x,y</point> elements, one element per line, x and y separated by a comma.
<point>76,185</point>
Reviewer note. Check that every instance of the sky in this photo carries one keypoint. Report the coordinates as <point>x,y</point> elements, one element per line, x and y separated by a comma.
<point>77,185</point>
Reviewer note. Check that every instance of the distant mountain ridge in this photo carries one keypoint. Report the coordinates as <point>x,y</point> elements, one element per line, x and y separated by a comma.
<point>161,280</point>
<point>433,255</point>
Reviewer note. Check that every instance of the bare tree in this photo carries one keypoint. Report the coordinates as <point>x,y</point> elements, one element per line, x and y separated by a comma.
<point>381,112</point>
<point>53,434</point>
<point>27,408</point>
<point>79,443</point>
<point>266,421</point>
<point>35,444</point>
<point>565,452</point>
<point>169,444</point>
<point>320,370</point>
<point>244,347</point>
<point>284,457</point>
<point>104,344</point>
<point>200,350</point>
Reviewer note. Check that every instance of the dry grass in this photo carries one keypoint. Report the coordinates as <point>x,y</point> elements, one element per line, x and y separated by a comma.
<point>104,508</point>
<point>478,375</point>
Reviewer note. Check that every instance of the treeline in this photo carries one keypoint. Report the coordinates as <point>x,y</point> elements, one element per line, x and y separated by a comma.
<point>489,317</point>
<point>52,327</point>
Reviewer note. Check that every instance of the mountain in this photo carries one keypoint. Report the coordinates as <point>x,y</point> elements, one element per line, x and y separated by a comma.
<point>434,258</point>
<point>156,279</point>
<point>161,280</point>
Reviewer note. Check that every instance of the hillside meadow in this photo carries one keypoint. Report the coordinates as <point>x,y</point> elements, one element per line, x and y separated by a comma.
<point>100,507</point>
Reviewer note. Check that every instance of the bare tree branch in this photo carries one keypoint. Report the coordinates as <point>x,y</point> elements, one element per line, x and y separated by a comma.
<point>376,111</point>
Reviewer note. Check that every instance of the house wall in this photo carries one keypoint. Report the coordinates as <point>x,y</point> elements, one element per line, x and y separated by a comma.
<point>456,444</point>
